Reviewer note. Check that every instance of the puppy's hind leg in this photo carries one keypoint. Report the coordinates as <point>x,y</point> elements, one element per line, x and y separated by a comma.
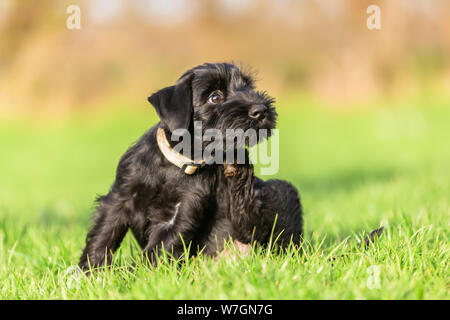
<point>110,227</point>
<point>281,199</point>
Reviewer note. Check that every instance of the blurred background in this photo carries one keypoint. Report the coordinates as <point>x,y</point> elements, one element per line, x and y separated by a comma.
<point>363,114</point>
<point>127,49</point>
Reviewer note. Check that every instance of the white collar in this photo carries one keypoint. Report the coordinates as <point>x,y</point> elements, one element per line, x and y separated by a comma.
<point>176,158</point>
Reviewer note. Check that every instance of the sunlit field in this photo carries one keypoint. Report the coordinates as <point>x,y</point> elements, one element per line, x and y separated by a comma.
<point>356,169</point>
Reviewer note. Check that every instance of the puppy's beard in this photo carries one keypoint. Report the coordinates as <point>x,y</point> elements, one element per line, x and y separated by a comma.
<point>265,125</point>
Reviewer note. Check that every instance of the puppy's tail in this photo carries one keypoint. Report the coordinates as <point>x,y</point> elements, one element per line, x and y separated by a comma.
<point>371,237</point>
<point>364,243</point>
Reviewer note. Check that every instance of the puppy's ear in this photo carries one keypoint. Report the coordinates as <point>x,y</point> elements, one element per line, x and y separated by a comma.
<point>174,104</point>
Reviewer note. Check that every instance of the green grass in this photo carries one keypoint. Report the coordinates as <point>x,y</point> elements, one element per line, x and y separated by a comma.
<point>356,170</point>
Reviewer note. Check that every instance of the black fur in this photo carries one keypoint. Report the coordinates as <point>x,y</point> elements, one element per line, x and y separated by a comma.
<point>160,203</point>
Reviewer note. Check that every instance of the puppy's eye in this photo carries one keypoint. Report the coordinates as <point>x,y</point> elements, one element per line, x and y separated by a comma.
<point>216,97</point>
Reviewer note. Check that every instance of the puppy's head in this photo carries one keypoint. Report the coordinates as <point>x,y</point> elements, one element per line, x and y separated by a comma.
<point>219,95</point>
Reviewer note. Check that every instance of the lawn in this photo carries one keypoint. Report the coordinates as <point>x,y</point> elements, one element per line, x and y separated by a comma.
<point>385,164</point>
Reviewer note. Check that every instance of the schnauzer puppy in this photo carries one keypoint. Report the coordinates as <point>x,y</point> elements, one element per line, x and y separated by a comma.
<point>169,201</point>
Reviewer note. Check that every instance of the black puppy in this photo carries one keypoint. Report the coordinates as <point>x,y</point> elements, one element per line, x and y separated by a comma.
<point>166,202</point>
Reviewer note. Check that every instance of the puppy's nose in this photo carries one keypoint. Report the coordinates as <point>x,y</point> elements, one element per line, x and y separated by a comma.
<point>257,112</point>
